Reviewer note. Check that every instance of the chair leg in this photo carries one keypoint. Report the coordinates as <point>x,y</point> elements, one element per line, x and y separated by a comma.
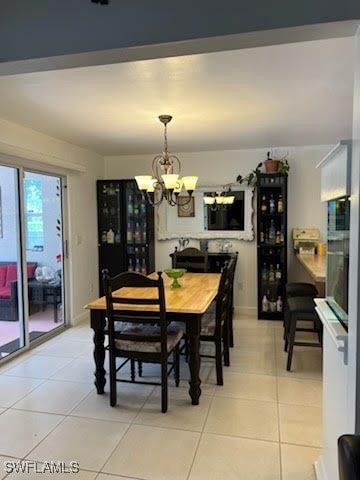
<point>226,341</point>
<point>176,356</point>
<point>140,369</point>
<point>218,358</point>
<point>164,387</point>
<point>231,326</point>
<point>112,378</point>
<point>291,338</point>
<point>132,367</point>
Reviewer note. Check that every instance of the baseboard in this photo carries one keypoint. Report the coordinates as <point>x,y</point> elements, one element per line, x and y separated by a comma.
<point>320,469</point>
<point>246,311</point>
<point>82,317</point>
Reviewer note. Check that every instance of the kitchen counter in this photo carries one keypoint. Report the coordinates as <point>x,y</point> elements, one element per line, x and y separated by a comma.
<point>315,265</point>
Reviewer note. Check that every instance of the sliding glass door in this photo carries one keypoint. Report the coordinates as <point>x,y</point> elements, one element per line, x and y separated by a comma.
<point>12,332</point>
<point>31,257</point>
<point>44,255</point>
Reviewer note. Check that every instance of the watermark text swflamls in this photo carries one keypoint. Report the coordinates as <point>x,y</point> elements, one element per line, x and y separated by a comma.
<point>30,466</point>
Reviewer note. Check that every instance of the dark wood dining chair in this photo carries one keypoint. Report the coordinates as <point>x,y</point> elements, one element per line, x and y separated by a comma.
<point>215,326</point>
<point>232,266</point>
<point>138,332</point>
<point>192,259</point>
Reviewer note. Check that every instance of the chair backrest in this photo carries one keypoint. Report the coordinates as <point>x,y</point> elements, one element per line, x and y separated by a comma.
<point>300,289</point>
<point>135,308</point>
<point>223,297</point>
<point>192,259</point>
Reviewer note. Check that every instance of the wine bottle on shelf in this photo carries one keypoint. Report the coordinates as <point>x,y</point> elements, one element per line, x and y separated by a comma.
<point>117,237</point>
<point>110,236</point>
<point>282,234</point>
<point>277,237</point>
<point>105,209</point>
<point>104,237</point>
<point>272,205</point>
<point>130,266</point>
<point>136,208</point>
<point>144,235</point>
<point>265,304</point>
<point>271,273</point>
<point>137,233</point>
<point>263,207</point>
<point>130,205</point>
<point>129,233</point>
<point>280,205</point>
<point>272,232</point>
<point>278,272</point>
<point>137,265</point>
<point>142,209</point>
<point>264,273</point>
<point>279,304</point>
<point>262,233</point>
<point>143,268</point>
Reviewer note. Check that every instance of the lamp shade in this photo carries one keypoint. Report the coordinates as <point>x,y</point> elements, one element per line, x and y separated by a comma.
<point>143,181</point>
<point>179,185</point>
<point>229,200</point>
<point>170,180</point>
<point>219,199</point>
<point>209,200</point>
<point>190,183</point>
<point>152,183</point>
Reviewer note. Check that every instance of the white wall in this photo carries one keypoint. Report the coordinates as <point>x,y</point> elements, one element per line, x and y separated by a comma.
<point>221,167</point>
<point>50,154</point>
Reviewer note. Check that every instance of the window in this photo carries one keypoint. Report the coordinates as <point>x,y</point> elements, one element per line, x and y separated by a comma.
<point>34,215</point>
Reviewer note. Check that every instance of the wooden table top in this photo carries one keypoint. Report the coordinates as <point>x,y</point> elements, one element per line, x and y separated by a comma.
<point>195,295</point>
<point>315,265</point>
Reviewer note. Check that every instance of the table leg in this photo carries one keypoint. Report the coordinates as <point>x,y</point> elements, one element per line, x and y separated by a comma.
<point>97,321</point>
<point>193,327</point>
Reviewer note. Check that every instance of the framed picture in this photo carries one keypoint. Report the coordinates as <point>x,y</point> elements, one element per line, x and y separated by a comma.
<point>186,208</point>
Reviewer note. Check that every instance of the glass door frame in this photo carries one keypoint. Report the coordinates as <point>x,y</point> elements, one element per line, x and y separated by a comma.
<point>20,165</point>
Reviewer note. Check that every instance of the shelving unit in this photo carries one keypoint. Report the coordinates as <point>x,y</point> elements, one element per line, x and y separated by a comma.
<point>125,228</point>
<point>271,244</point>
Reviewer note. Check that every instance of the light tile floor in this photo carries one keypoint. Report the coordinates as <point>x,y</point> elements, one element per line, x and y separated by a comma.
<point>264,423</point>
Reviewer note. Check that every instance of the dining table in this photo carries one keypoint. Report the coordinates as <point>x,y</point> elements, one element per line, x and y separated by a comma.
<point>186,304</point>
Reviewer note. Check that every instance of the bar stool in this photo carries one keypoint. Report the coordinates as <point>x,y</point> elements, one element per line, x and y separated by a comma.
<point>300,308</point>
<point>297,289</point>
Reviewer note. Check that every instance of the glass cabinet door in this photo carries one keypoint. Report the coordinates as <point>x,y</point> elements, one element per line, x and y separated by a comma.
<point>136,229</point>
<point>109,213</point>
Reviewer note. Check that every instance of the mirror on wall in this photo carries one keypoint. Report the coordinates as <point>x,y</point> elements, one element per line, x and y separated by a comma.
<point>198,220</point>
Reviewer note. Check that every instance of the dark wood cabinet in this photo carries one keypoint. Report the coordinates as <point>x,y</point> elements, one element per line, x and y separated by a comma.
<point>216,261</point>
<point>125,228</point>
<point>271,244</point>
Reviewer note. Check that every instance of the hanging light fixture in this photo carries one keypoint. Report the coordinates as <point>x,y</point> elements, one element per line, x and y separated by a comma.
<point>165,182</point>
<point>220,199</point>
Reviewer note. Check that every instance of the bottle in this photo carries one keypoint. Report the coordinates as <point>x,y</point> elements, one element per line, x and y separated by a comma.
<point>130,205</point>
<point>280,205</point>
<point>143,268</point>
<point>110,236</point>
<point>142,209</point>
<point>272,233</point>
<point>279,304</point>
<point>271,273</point>
<point>264,273</point>
<point>144,235</point>
<point>129,234</point>
<point>117,237</point>
<point>277,237</point>
<point>137,233</point>
<point>104,237</point>
<point>136,208</point>
<point>263,207</point>
<point>104,190</point>
<point>282,234</point>
<point>137,265</point>
<point>112,210</point>
<point>105,209</point>
<point>271,205</point>
<point>262,233</point>
<point>278,272</point>
<point>130,266</point>
<point>265,304</point>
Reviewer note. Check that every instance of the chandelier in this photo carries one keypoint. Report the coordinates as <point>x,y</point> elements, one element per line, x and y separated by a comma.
<point>165,182</point>
<point>220,199</point>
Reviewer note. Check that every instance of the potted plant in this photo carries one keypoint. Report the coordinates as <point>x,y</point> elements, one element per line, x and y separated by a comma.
<point>271,165</point>
<point>251,178</point>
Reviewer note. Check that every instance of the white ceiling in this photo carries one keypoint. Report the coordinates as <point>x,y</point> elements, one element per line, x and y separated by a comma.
<point>295,94</point>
